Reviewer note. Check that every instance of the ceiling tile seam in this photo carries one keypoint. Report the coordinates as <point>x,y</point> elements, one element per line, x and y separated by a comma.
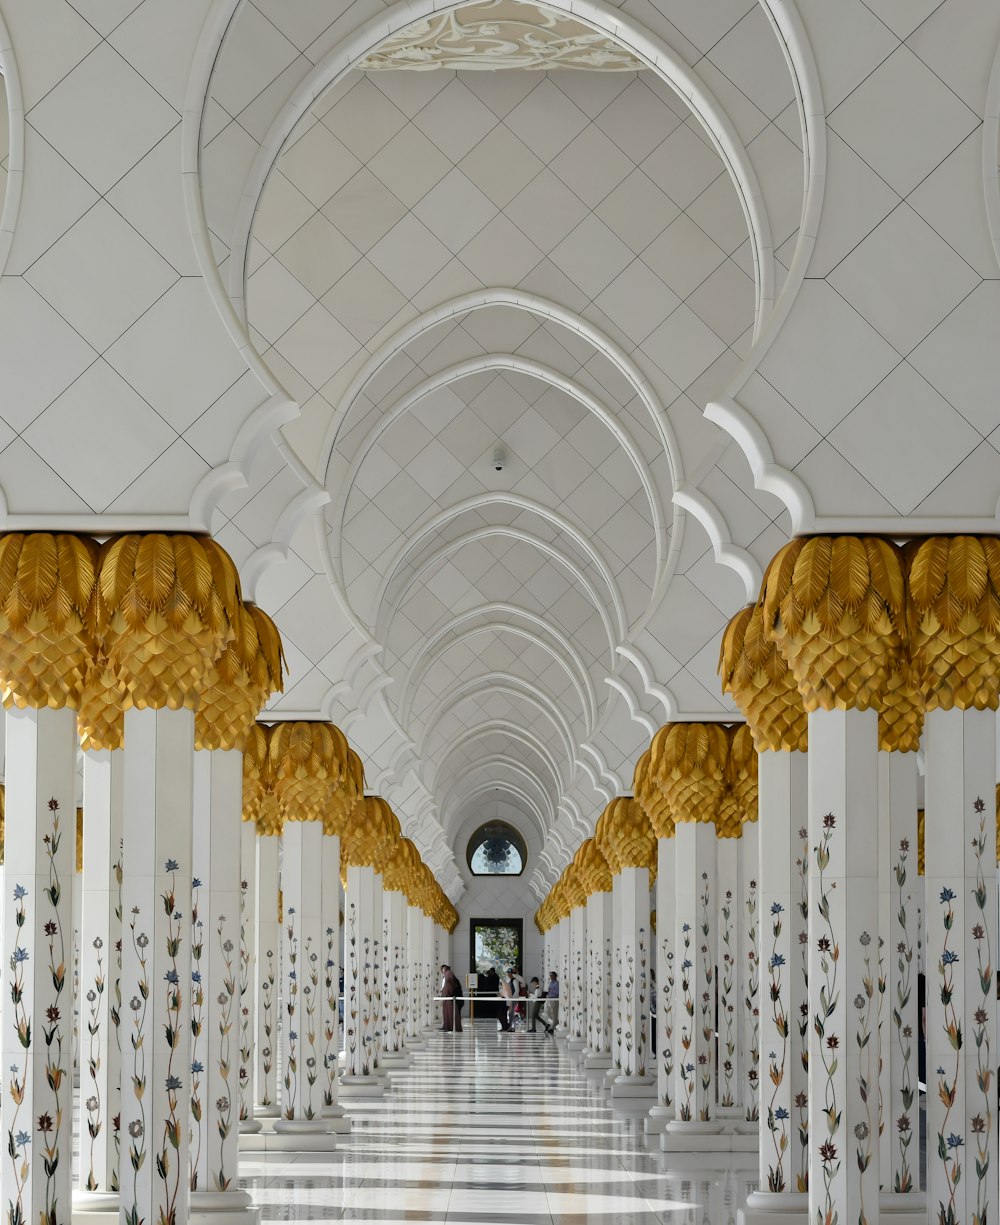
<point>904,358</point>
<point>101,354</point>
<point>923,21</point>
<point>948,475</point>
<point>105,37</point>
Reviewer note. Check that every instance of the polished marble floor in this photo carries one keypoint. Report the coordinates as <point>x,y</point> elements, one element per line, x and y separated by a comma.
<point>489,1127</point>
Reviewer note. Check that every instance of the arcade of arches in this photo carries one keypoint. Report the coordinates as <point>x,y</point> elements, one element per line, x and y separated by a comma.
<point>526,465</point>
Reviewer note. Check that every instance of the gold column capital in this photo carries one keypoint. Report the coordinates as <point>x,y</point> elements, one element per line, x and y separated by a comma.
<point>370,835</point>
<point>689,762</point>
<point>165,608</point>
<point>246,673</point>
<point>625,837</point>
<point>754,672</point>
<point>835,607</point>
<point>309,760</point>
<point>47,645</point>
<point>953,620</point>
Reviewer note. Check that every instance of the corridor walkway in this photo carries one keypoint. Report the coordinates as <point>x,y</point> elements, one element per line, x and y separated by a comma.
<point>486,1127</point>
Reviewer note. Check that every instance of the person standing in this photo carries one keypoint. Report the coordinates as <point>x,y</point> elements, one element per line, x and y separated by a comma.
<point>536,997</point>
<point>506,1003</point>
<point>550,1018</point>
<point>451,1014</point>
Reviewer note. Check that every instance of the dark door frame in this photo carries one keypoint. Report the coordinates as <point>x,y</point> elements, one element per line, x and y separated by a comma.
<point>517,924</point>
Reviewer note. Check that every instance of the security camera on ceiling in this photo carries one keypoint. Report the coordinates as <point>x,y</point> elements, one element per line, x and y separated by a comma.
<point>499,458</point>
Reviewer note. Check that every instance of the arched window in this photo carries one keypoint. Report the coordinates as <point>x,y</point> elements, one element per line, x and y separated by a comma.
<point>496,849</point>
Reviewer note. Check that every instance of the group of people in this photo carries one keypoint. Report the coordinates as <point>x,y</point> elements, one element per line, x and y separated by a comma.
<point>531,1001</point>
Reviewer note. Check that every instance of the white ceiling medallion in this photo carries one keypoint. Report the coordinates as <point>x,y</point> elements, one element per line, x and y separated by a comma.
<point>500,34</point>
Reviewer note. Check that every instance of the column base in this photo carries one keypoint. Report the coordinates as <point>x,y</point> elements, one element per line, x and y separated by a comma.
<point>575,1044</point>
<point>611,1075</point>
<point>774,1208</point>
<point>792,1208</point>
<point>266,1112</point>
<point>633,1090</point>
<point>337,1120</point>
<point>95,1207</point>
<point>392,1061</point>
<point>903,1209</point>
<point>235,1206</point>
<point>655,1123</point>
<point>362,1086</point>
<point>704,1137</point>
<point>596,1061</point>
<point>299,1136</point>
<point>250,1127</point>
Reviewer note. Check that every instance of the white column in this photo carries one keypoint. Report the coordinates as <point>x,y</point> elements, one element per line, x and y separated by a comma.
<point>694,980</point>
<point>783,793</point>
<point>961,919</point>
<point>40,836</point>
<point>565,985</point>
<point>635,1079</point>
<point>616,983</point>
<point>415,976</point>
<point>599,935</point>
<point>215,991</point>
<point>749,960</point>
<point>663,1111</point>
<point>267,979</point>
<point>432,1009</point>
<point>248,950</point>
<point>729,919</point>
<point>900,1023</point>
<point>302,955</point>
<point>395,999</point>
<point>156,965</point>
<point>100,972</point>
<point>332,1109</point>
<point>843,968</point>
<point>578,980</point>
<point>363,982</point>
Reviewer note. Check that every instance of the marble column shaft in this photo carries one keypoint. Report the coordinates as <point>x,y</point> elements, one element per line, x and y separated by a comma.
<point>749,970</point>
<point>37,1170</point>
<point>599,1023</point>
<point>415,975</point>
<point>268,978</point>
<point>363,955</point>
<point>156,965</point>
<point>330,1003</point>
<point>100,970</point>
<point>248,970</point>
<point>694,972</point>
<point>961,925</point>
<point>215,1008</point>
<point>578,978</point>
<point>783,808</point>
<point>844,966</point>
<point>663,1111</point>
<point>634,941</point>
<point>729,921</point>
<point>303,953</point>
<point>899,1155</point>
<point>395,1000</point>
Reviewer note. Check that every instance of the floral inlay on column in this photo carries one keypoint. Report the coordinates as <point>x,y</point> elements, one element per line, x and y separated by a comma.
<point>310,995</point>
<point>727,1011</point>
<point>267,1001</point>
<point>291,1013</point>
<point>18,1139</point>
<point>687,1026</point>
<point>197,1029</point>
<point>707,998</point>
<point>330,1053</point>
<point>902,1033</point>
<point>802,1097</point>
<point>866,1131</point>
<point>667,1004</point>
<point>981,1122</point>
<point>167,1163</point>
<point>246,989</point>
<point>225,1002</point>
<point>93,1105</point>
<point>777,1116</point>
<point>139,1007</point>
<point>47,1125</point>
<point>751,1002</point>
<point>828,999</point>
